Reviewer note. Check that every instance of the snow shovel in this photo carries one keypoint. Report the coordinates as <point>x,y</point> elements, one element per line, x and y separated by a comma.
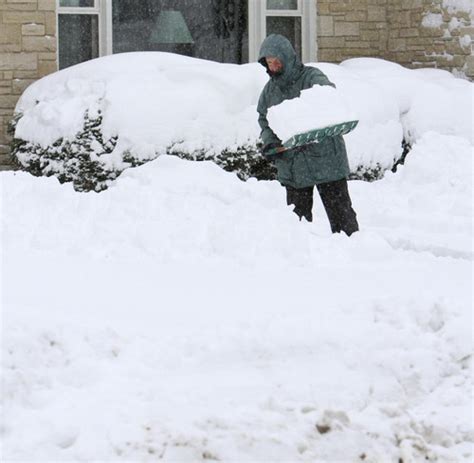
<point>314,136</point>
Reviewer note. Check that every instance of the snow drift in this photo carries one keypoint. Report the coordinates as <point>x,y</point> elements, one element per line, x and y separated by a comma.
<point>184,315</point>
<point>427,99</point>
<point>90,122</point>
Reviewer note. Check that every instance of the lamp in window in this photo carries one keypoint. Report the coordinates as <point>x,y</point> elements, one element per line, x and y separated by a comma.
<point>171,28</point>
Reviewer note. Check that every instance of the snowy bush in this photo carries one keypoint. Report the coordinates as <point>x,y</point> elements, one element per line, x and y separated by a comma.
<point>134,108</point>
<point>80,160</point>
<point>76,160</point>
<point>88,123</point>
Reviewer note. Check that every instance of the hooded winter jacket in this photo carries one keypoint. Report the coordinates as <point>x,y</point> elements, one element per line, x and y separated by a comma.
<point>312,164</point>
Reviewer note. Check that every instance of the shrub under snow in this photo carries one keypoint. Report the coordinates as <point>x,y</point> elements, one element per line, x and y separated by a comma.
<point>88,123</point>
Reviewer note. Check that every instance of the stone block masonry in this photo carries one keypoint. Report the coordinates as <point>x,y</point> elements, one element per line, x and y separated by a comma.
<point>414,33</point>
<point>432,33</point>
<point>27,53</point>
<point>351,28</point>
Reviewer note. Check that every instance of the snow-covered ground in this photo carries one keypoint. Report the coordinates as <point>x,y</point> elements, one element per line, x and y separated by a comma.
<point>184,315</point>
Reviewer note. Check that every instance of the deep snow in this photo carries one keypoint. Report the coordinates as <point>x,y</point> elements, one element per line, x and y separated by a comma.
<point>186,315</point>
<point>159,102</point>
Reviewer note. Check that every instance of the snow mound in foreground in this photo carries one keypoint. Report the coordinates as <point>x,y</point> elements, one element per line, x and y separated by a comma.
<point>185,315</point>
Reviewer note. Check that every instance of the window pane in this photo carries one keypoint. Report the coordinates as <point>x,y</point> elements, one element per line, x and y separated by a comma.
<point>78,38</point>
<point>290,27</point>
<point>77,3</point>
<point>205,29</point>
<point>282,4</point>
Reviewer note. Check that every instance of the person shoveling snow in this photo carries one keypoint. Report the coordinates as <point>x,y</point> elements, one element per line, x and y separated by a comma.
<point>323,164</point>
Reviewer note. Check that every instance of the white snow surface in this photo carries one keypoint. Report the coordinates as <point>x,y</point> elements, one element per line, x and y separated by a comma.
<point>465,40</point>
<point>454,6</point>
<point>317,107</point>
<point>454,23</point>
<point>185,315</point>
<point>428,99</point>
<point>151,100</point>
<point>157,101</point>
<point>432,20</point>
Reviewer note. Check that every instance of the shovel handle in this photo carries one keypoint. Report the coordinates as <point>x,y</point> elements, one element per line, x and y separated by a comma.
<point>274,151</point>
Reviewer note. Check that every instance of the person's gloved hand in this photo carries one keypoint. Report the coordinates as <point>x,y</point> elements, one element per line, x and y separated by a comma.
<point>269,147</point>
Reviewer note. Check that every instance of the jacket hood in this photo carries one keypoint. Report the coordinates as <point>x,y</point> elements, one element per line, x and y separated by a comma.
<point>280,47</point>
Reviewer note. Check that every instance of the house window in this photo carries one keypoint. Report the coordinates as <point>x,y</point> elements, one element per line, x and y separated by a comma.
<point>78,31</point>
<point>295,19</point>
<point>228,31</point>
<point>209,29</point>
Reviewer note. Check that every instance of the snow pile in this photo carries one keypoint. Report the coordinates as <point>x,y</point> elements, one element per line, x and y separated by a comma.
<point>454,24</point>
<point>185,105</point>
<point>170,100</point>
<point>465,41</point>
<point>449,113</point>
<point>377,139</point>
<point>317,107</point>
<point>437,180</point>
<point>432,20</point>
<point>73,123</point>
<point>454,6</point>
<point>165,319</point>
<point>428,99</point>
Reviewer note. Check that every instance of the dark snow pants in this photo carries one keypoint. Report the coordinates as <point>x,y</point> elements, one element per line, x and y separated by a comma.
<point>336,201</point>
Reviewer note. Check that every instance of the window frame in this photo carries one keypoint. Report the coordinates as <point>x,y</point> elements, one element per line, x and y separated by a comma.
<point>306,10</point>
<point>257,14</point>
<point>99,9</point>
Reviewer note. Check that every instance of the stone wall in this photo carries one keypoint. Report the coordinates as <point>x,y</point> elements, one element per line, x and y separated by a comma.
<point>414,33</point>
<point>432,33</point>
<point>351,28</point>
<point>27,52</point>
